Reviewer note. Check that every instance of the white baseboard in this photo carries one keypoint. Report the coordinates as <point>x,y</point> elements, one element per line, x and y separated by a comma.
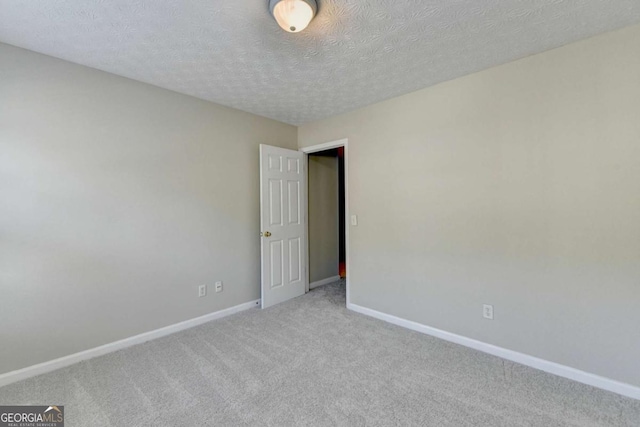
<point>323,282</point>
<point>52,365</point>
<point>524,359</point>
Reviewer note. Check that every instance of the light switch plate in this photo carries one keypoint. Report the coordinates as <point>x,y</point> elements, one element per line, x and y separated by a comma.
<point>354,220</point>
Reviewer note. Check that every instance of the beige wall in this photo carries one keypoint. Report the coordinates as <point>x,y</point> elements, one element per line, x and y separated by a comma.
<point>323,217</point>
<point>519,187</point>
<point>117,200</point>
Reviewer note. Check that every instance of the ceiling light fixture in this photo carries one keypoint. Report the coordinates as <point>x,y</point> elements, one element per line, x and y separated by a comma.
<point>293,15</point>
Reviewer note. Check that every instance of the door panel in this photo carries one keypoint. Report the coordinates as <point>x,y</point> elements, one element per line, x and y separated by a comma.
<point>294,165</point>
<point>276,256</point>
<point>294,202</point>
<point>282,220</point>
<point>275,202</point>
<point>295,259</point>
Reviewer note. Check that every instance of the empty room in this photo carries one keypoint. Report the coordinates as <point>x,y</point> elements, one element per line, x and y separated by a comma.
<point>319,213</point>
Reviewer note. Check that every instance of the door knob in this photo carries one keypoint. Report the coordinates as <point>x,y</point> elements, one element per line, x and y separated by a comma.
<point>267,234</point>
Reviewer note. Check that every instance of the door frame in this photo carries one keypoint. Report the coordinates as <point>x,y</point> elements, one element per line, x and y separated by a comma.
<point>314,149</point>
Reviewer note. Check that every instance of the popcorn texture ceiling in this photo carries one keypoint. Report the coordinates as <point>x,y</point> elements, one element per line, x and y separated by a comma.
<point>354,53</point>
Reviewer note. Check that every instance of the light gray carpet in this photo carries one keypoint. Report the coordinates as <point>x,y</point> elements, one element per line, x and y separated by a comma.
<point>310,361</point>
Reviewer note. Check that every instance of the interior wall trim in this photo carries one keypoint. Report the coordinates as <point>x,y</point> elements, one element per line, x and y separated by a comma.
<point>63,362</point>
<point>574,374</point>
<point>323,282</point>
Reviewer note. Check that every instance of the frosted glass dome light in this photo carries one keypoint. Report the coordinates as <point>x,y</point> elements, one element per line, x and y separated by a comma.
<point>293,15</point>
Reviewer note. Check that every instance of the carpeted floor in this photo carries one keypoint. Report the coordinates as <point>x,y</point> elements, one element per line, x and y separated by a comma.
<point>310,361</point>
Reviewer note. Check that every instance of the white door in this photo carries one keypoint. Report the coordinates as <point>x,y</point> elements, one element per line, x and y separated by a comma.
<point>282,221</point>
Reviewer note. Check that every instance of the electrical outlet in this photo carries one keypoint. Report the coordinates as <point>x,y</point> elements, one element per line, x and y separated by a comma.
<point>218,286</point>
<point>202,291</point>
<point>487,311</point>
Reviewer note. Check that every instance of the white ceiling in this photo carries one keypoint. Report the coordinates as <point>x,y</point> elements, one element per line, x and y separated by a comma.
<point>355,53</point>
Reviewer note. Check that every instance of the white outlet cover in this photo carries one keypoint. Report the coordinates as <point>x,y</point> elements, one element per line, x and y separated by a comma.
<point>487,311</point>
<point>354,219</point>
<point>202,290</point>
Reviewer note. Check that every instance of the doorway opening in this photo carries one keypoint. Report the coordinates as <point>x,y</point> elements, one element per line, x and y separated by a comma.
<point>327,214</point>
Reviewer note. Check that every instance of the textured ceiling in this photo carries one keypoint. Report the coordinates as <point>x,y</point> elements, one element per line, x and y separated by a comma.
<point>355,53</point>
